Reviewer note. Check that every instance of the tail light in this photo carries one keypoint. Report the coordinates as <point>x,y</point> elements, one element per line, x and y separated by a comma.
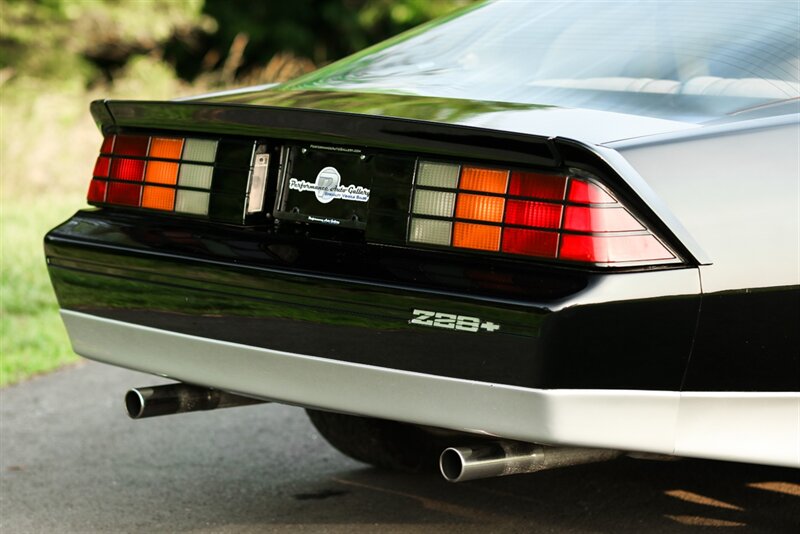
<point>544,215</point>
<point>179,175</point>
<point>560,216</point>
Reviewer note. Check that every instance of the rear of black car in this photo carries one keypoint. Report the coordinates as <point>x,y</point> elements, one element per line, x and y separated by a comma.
<point>223,233</point>
<point>360,241</point>
<point>473,280</point>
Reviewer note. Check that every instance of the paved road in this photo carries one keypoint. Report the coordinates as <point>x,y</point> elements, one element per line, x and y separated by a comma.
<point>73,462</point>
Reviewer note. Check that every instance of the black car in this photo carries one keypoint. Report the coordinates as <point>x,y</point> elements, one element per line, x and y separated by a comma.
<point>571,224</point>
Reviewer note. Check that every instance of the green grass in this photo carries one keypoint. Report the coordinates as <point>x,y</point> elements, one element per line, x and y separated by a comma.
<point>32,337</point>
<point>48,143</point>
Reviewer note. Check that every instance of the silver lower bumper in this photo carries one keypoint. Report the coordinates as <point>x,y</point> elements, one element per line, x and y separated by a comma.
<point>764,428</point>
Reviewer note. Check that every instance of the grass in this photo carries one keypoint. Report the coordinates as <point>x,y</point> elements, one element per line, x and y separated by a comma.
<point>32,337</point>
<point>47,146</point>
<point>48,142</point>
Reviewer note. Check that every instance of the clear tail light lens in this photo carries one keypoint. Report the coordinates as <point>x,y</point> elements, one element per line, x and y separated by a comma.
<point>536,214</point>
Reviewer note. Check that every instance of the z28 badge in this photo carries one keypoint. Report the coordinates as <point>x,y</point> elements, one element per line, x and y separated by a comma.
<point>451,321</point>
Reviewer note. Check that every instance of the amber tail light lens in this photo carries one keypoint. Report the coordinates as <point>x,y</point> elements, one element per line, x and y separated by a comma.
<point>536,214</point>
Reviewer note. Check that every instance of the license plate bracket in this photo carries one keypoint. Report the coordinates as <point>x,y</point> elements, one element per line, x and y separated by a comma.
<point>325,185</point>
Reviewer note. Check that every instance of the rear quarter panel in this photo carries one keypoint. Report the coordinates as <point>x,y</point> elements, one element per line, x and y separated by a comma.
<point>736,189</point>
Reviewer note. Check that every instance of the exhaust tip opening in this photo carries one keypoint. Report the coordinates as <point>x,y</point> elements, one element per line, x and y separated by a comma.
<point>451,464</point>
<point>134,403</point>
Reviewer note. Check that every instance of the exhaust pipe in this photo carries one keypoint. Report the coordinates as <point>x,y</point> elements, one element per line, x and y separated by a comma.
<point>501,458</point>
<point>179,398</point>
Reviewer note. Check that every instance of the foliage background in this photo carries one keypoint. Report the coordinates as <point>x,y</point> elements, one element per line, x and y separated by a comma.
<point>56,56</point>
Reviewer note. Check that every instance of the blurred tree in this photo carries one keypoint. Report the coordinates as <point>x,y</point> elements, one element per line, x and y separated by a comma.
<point>321,30</point>
<point>84,41</point>
<point>315,32</point>
<point>88,41</point>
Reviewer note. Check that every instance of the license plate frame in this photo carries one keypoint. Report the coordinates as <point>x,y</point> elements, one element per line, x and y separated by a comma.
<point>324,185</point>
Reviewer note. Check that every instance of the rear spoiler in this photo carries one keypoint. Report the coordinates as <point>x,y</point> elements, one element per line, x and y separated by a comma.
<point>333,127</point>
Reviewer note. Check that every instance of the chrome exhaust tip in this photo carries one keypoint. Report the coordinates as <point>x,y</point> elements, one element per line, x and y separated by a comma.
<point>451,464</point>
<point>501,458</point>
<point>179,398</point>
<point>135,403</point>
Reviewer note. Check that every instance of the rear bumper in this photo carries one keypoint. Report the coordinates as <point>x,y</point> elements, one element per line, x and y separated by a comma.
<point>579,359</point>
<point>555,329</point>
<point>664,422</point>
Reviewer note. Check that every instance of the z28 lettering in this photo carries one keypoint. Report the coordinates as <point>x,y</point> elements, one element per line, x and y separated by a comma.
<point>451,321</point>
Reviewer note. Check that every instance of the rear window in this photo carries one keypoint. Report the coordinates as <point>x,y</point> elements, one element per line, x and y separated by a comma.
<point>690,61</point>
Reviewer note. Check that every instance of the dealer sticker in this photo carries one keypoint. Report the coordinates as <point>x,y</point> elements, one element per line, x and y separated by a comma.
<point>328,187</point>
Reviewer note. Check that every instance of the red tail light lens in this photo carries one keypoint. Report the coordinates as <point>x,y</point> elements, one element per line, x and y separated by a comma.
<point>97,191</point>
<point>608,249</point>
<point>537,185</point>
<point>530,242</point>
<point>131,145</point>
<point>108,144</point>
<point>583,192</point>
<point>532,213</point>
<point>537,214</point>
<point>124,194</point>
<point>584,219</point>
<point>101,167</point>
<point>131,170</point>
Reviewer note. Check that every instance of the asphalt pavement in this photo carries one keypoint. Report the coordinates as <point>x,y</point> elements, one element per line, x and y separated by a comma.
<point>71,461</point>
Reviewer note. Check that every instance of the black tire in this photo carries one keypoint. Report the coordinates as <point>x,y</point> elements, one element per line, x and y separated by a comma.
<point>381,443</point>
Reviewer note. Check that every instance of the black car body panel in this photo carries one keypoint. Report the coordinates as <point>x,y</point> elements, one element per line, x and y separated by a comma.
<point>354,303</point>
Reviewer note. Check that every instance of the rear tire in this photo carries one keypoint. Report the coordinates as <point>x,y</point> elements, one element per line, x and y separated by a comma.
<point>378,442</point>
